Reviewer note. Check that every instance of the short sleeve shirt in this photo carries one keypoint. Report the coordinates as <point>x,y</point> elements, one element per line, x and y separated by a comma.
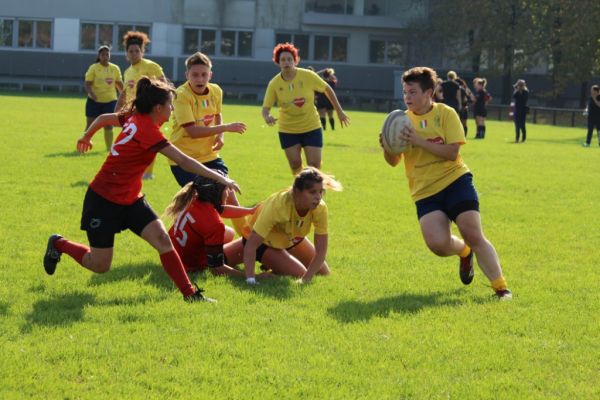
<point>120,178</point>
<point>427,173</point>
<point>195,231</point>
<point>278,222</point>
<point>135,72</point>
<point>295,99</point>
<point>200,110</point>
<point>103,81</point>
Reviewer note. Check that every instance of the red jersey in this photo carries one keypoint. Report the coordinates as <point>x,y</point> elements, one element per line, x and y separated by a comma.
<point>197,230</point>
<point>120,178</point>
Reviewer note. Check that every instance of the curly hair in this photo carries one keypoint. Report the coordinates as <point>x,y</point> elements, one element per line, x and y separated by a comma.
<point>426,77</point>
<point>288,47</point>
<point>135,37</point>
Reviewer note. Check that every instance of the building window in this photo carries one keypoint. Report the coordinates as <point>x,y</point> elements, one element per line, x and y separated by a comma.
<point>34,34</point>
<point>298,40</point>
<point>324,47</point>
<point>383,51</point>
<point>374,7</point>
<point>231,43</point>
<point>330,6</point>
<point>93,35</point>
<point>6,32</point>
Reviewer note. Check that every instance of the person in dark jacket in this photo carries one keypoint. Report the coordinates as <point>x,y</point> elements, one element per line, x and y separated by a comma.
<point>593,115</point>
<point>520,97</point>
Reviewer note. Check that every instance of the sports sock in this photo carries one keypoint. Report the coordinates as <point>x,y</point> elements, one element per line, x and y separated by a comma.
<point>332,123</point>
<point>174,268</point>
<point>478,134</point>
<point>323,123</point>
<point>464,252</point>
<point>73,249</point>
<point>499,284</point>
<point>483,131</point>
<point>524,134</point>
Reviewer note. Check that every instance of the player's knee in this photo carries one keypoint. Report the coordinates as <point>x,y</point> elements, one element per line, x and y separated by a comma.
<point>438,247</point>
<point>102,265</point>
<point>163,241</point>
<point>473,238</point>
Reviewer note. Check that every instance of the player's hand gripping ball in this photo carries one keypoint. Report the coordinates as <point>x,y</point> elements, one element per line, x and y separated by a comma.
<point>391,133</point>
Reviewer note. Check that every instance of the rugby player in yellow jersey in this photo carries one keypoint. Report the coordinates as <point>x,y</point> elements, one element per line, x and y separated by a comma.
<point>276,234</point>
<point>293,89</point>
<point>135,45</point>
<point>102,81</point>
<point>198,127</point>
<point>440,182</point>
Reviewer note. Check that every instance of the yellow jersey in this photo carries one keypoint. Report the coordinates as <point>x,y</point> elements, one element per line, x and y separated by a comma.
<point>429,174</point>
<point>278,222</point>
<point>190,108</point>
<point>296,101</point>
<point>135,72</point>
<point>103,81</point>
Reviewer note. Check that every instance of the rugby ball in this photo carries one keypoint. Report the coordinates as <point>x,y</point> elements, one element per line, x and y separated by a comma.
<point>391,133</point>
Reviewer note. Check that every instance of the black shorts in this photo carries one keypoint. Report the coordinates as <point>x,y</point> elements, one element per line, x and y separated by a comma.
<point>184,177</point>
<point>94,109</point>
<point>260,251</point>
<point>102,219</point>
<point>480,112</point>
<point>323,102</point>
<point>454,199</point>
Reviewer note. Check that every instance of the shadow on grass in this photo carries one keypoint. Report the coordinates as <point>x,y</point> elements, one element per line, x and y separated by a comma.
<point>577,141</point>
<point>275,287</point>
<point>407,303</point>
<point>148,274</point>
<point>70,154</point>
<point>4,308</point>
<point>63,310</point>
<point>80,183</point>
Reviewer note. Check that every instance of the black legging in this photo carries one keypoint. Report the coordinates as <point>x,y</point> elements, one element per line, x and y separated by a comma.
<point>593,123</point>
<point>520,118</point>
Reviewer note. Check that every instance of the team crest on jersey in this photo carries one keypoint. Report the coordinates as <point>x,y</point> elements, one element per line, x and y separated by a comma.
<point>205,103</point>
<point>109,81</point>
<point>423,124</point>
<point>291,86</point>
<point>208,119</point>
<point>436,140</point>
<point>299,223</point>
<point>299,101</point>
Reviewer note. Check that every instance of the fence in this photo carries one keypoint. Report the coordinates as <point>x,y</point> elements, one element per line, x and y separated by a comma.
<point>542,115</point>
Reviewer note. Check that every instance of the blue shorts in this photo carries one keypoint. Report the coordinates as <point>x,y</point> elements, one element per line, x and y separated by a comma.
<point>456,198</point>
<point>94,109</point>
<point>183,177</point>
<point>312,138</point>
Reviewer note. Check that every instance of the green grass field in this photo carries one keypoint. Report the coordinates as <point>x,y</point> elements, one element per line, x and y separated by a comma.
<point>393,321</point>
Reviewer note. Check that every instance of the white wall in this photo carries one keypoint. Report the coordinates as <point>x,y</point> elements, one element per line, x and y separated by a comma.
<point>66,34</point>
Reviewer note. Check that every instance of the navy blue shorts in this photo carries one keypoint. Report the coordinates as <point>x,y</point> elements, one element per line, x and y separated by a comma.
<point>184,177</point>
<point>260,250</point>
<point>312,138</point>
<point>94,109</point>
<point>102,219</point>
<point>456,198</point>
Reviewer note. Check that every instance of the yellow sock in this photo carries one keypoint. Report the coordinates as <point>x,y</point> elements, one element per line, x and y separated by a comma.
<point>464,252</point>
<point>499,284</point>
<point>238,224</point>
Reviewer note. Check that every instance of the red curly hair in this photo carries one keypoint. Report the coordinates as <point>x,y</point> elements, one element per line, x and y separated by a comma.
<point>290,48</point>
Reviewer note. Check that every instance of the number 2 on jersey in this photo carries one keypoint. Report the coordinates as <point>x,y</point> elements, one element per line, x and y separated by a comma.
<point>129,129</point>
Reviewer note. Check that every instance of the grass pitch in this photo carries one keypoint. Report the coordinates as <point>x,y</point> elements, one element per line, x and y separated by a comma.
<point>392,321</point>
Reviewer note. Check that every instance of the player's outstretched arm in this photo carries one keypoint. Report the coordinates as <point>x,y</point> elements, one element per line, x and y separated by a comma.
<point>250,256</point>
<point>316,263</point>
<point>330,94</point>
<point>230,211</point>
<point>191,165</point>
<point>84,143</point>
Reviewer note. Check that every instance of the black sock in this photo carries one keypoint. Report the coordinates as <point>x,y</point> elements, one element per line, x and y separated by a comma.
<point>483,131</point>
<point>332,123</point>
<point>524,134</point>
<point>323,123</point>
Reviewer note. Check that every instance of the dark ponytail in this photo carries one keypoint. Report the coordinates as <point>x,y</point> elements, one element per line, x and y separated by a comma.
<point>149,93</point>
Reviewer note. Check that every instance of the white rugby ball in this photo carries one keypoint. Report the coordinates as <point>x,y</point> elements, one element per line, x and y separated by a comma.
<point>393,142</point>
